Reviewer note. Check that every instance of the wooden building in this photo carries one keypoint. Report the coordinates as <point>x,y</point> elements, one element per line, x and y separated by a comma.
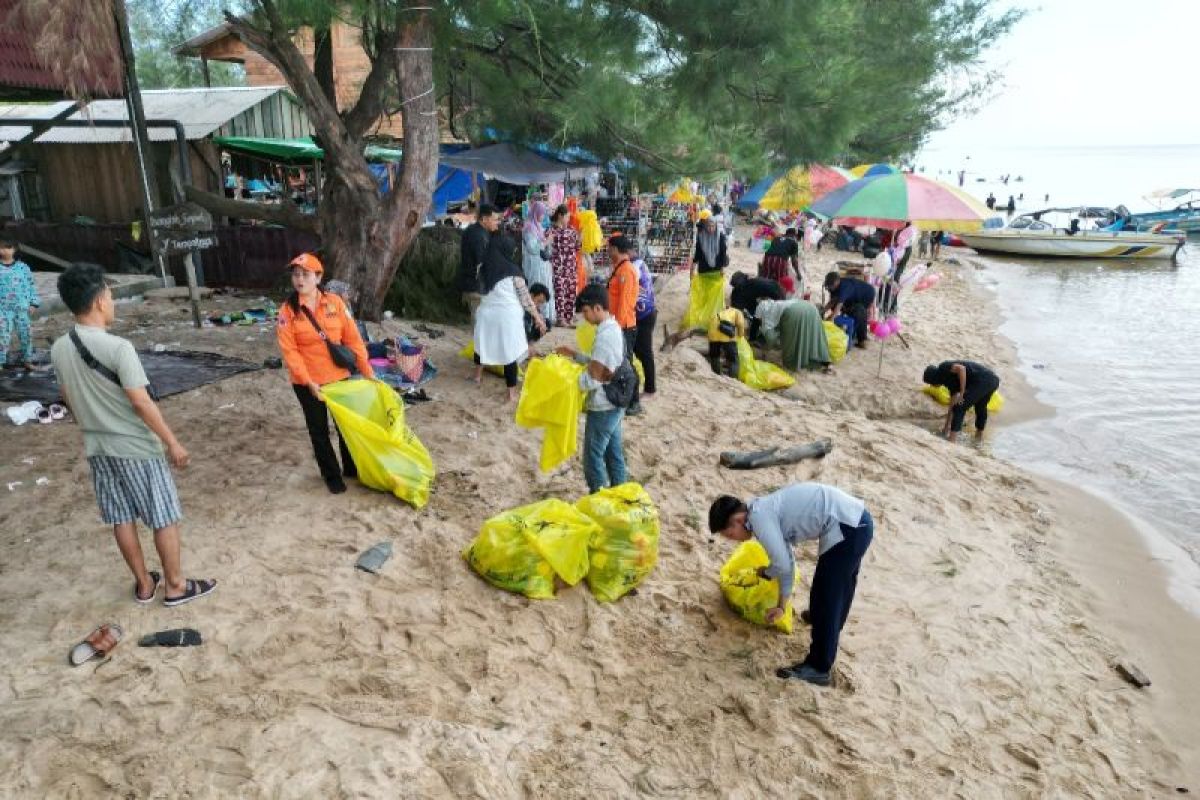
<point>89,171</point>
<point>351,64</point>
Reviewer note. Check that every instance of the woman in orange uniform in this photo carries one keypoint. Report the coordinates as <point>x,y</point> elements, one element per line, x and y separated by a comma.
<point>310,364</point>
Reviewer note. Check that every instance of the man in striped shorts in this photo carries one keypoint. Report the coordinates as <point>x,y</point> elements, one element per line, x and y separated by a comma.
<point>124,432</point>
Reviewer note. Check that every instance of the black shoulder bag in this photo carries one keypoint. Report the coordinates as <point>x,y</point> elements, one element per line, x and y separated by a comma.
<point>342,355</point>
<point>95,364</point>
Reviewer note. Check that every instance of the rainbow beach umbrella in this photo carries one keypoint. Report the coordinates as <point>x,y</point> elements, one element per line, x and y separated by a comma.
<point>795,188</point>
<point>886,201</point>
<point>866,170</point>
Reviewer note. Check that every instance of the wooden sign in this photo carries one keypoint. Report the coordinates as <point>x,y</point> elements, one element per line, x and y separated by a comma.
<point>174,242</point>
<point>184,216</point>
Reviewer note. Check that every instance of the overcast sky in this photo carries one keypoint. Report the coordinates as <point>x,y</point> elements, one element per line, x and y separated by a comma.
<point>1091,72</point>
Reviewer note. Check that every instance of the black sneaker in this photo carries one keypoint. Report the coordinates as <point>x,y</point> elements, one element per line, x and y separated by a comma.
<point>335,485</point>
<point>635,410</point>
<point>806,617</point>
<point>804,672</point>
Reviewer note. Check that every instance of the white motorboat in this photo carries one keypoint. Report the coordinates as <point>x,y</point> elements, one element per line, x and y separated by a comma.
<point>1090,233</point>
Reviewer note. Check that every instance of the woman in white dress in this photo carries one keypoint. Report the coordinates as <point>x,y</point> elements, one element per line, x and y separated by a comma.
<point>535,254</point>
<point>500,320</point>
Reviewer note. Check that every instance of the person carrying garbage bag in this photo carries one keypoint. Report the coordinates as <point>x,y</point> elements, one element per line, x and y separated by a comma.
<point>796,513</point>
<point>610,382</point>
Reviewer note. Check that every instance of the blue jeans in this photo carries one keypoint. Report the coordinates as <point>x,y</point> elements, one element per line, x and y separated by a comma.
<point>603,454</point>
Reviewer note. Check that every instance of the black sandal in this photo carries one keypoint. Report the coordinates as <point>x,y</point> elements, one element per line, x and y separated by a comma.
<point>155,579</point>
<point>193,590</point>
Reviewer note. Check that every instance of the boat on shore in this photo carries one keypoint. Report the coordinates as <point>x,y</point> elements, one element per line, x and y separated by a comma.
<point>1091,232</point>
<point>1185,216</point>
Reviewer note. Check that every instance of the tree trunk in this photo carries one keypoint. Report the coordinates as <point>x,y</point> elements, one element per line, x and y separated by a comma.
<point>393,231</point>
<point>364,236</point>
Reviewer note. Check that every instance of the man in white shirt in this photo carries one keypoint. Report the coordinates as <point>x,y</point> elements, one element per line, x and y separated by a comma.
<point>796,513</point>
<point>603,451</point>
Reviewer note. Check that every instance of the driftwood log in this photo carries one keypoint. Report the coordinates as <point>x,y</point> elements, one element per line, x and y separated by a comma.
<point>774,456</point>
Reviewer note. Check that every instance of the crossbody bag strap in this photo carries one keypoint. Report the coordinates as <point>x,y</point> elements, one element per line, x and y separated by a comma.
<point>313,320</point>
<point>91,360</point>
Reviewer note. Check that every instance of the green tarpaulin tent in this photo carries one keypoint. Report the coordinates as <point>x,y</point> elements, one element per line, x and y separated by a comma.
<point>293,151</point>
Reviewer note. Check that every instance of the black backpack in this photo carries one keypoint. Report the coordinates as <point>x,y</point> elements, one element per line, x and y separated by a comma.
<point>623,386</point>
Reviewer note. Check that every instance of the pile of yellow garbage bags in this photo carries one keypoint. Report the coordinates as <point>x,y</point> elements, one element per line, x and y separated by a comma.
<point>749,594</point>
<point>389,456</point>
<point>610,537</point>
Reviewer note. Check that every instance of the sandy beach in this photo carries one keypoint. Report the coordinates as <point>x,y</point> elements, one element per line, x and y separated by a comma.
<point>977,662</point>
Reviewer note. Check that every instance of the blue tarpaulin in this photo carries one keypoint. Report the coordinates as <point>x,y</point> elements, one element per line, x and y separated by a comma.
<point>756,192</point>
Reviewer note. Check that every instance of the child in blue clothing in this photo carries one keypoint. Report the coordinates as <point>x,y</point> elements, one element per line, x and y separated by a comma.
<point>18,297</point>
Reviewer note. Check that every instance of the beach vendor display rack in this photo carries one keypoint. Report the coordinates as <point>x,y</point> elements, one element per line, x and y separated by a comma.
<point>670,236</point>
<point>620,215</point>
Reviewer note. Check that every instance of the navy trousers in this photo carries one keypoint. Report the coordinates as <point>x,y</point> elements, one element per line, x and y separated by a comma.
<point>832,593</point>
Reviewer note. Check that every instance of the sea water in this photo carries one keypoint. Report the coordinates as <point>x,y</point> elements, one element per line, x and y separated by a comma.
<point>1113,346</point>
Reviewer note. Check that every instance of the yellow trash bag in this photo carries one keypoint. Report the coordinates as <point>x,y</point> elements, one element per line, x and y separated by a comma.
<point>585,339</point>
<point>551,399</point>
<point>389,456</point>
<point>706,300</point>
<point>625,548</point>
<point>522,550</point>
<point>748,594</point>
<point>942,395</point>
<point>592,238</point>
<point>838,341</point>
<point>468,353</point>
<point>761,375</point>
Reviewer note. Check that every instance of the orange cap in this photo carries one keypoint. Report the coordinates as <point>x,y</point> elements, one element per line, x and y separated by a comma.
<point>309,262</point>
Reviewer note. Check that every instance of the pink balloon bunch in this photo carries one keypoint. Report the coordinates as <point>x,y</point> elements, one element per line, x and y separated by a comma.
<point>927,282</point>
<point>882,329</point>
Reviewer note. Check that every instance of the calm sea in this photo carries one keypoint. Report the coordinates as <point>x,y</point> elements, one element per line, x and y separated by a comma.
<point>1113,346</point>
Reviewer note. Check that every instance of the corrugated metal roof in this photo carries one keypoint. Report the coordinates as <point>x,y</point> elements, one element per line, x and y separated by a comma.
<point>201,111</point>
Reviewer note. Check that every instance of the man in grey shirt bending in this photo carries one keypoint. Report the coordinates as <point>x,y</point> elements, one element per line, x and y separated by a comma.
<point>844,529</point>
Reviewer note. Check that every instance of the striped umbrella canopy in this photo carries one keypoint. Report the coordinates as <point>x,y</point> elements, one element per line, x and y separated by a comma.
<point>796,188</point>
<point>886,201</point>
<point>865,170</point>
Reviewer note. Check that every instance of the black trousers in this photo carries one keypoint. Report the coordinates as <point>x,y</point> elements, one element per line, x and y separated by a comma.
<point>977,395</point>
<point>631,335</point>
<point>859,312</point>
<point>643,348</point>
<point>834,582</point>
<point>727,353</point>
<point>316,417</point>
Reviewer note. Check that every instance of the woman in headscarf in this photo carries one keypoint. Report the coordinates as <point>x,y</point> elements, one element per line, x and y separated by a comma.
<point>307,320</point>
<point>706,296</point>
<point>565,243</point>
<point>500,321</point>
<point>535,254</point>
<point>802,337</point>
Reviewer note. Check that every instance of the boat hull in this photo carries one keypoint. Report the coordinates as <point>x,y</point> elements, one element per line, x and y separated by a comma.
<point>1081,245</point>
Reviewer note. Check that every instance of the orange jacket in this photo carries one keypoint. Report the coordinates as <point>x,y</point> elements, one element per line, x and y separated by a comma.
<point>623,294</point>
<point>304,351</point>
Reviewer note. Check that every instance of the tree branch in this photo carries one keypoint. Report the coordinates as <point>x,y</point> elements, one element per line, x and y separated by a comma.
<point>275,44</point>
<point>285,213</point>
<point>369,106</point>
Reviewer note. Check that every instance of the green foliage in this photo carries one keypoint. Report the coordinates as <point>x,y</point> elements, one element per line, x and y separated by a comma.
<point>158,26</point>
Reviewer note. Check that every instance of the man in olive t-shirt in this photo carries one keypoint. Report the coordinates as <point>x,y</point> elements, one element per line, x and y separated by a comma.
<point>124,432</point>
